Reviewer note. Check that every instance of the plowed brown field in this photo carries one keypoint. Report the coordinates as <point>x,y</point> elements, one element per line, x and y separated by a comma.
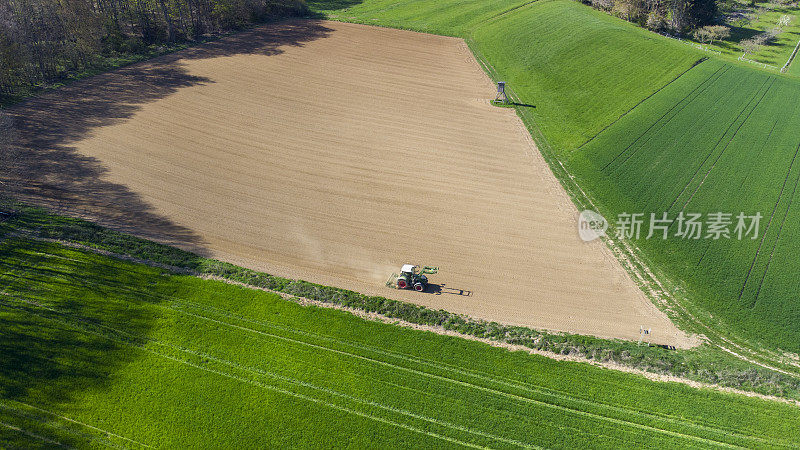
<point>335,153</point>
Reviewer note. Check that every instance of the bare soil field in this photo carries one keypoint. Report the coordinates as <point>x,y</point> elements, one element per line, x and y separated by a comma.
<point>333,153</point>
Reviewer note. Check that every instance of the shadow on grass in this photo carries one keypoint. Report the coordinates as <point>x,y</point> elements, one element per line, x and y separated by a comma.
<point>511,104</point>
<point>59,310</point>
<point>331,5</point>
<point>41,164</point>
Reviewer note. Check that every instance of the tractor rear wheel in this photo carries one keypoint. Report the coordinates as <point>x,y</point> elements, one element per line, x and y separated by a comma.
<point>419,287</point>
<point>402,283</point>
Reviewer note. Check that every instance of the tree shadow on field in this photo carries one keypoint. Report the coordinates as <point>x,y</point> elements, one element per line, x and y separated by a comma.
<point>67,326</point>
<point>331,5</point>
<point>39,159</point>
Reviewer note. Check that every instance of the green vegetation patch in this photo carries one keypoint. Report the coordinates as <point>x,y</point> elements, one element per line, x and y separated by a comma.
<point>721,139</point>
<point>580,68</point>
<point>98,351</point>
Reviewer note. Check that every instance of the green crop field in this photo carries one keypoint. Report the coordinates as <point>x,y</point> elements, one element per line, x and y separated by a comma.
<point>794,67</point>
<point>97,351</point>
<point>722,139</point>
<point>578,68</point>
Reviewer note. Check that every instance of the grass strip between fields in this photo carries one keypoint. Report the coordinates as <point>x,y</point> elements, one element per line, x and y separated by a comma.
<point>229,337</point>
<point>702,364</point>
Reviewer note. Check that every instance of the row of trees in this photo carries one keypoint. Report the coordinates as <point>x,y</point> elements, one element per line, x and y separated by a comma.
<point>677,16</point>
<point>43,40</point>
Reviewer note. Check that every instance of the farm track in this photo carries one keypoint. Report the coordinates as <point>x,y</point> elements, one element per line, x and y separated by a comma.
<point>340,175</point>
<point>547,398</point>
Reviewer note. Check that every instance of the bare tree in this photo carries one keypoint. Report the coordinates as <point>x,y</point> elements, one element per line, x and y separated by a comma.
<point>710,33</point>
<point>48,40</point>
<point>750,46</point>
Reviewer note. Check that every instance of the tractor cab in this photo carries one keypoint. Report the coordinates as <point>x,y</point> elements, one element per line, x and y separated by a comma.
<point>409,270</point>
<point>412,276</point>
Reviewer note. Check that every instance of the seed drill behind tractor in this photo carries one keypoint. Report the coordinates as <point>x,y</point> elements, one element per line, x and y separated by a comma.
<point>412,276</point>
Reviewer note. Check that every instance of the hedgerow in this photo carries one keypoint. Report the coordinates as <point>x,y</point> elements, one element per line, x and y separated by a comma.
<point>701,364</point>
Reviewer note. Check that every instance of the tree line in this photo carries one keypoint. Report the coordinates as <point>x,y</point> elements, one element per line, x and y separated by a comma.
<point>43,41</point>
<point>675,16</point>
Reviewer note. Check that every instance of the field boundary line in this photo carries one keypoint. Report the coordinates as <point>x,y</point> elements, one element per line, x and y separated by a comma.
<point>514,8</point>
<point>791,58</point>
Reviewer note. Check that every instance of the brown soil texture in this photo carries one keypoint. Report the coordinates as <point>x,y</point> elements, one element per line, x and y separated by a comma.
<point>334,153</point>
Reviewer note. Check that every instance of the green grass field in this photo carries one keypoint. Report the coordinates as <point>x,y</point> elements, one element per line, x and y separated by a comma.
<point>721,139</point>
<point>580,69</point>
<point>98,351</point>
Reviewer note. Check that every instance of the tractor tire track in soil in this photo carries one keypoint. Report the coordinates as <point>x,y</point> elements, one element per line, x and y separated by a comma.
<point>345,170</point>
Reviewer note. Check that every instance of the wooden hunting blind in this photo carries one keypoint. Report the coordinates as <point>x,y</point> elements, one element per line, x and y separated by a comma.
<point>501,92</point>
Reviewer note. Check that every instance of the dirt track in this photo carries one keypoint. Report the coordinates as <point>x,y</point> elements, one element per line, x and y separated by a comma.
<point>335,153</point>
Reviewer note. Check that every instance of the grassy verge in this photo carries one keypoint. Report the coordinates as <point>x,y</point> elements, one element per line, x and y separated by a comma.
<point>705,364</point>
<point>99,351</point>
